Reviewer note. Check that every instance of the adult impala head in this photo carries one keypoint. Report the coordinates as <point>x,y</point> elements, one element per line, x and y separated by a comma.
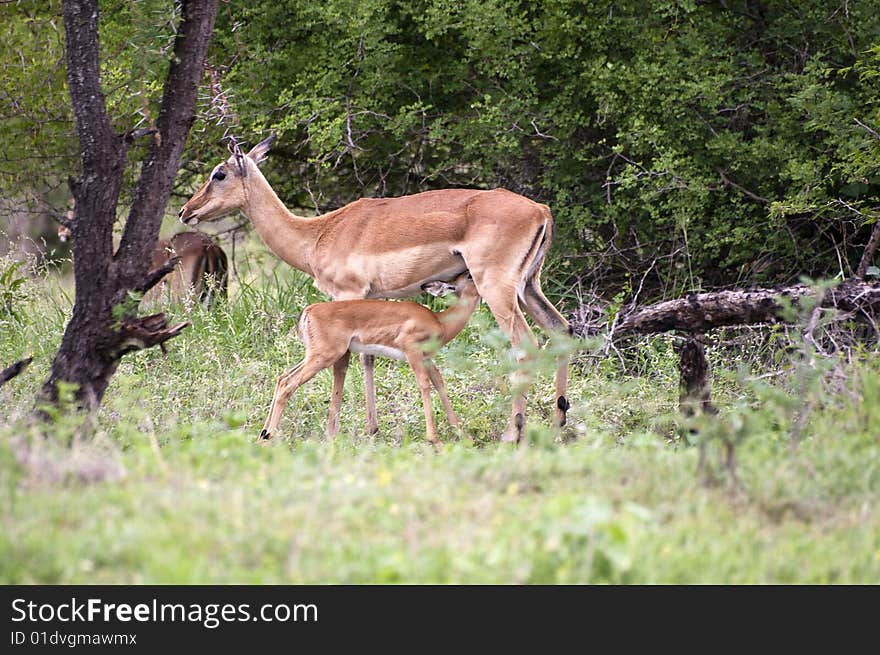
<point>225,191</point>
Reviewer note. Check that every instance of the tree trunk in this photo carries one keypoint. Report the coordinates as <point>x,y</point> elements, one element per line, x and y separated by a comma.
<point>695,396</point>
<point>95,339</point>
<point>870,250</point>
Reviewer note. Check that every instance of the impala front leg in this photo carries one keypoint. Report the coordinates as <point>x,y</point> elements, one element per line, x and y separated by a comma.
<point>437,381</point>
<point>369,364</point>
<point>545,314</point>
<point>417,363</point>
<point>520,381</point>
<point>275,408</point>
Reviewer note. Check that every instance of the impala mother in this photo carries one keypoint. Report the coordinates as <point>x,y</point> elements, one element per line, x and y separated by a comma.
<point>391,247</point>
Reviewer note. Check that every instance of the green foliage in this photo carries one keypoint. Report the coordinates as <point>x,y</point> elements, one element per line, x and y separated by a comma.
<point>677,135</point>
<point>35,118</point>
<point>13,290</point>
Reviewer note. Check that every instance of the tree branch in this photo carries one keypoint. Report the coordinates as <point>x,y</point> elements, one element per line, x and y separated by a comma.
<point>727,182</point>
<point>134,135</point>
<point>84,78</point>
<point>163,159</point>
<point>146,332</point>
<point>156,275</point>
<point>11,371</point>
<point>102,152</point>
<point>869,130</point>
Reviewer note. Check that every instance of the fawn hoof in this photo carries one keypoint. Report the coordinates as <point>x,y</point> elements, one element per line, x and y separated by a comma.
<point>264,435</point>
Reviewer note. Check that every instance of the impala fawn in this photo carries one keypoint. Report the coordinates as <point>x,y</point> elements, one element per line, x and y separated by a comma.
<point>331,331</point>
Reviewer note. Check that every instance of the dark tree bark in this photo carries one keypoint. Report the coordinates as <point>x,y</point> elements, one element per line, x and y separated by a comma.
<point>94,340</point>
<point>870,250</point>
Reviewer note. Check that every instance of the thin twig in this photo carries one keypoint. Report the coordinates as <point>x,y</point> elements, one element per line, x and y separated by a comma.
<point>726,181</point>
<point>869,130</point>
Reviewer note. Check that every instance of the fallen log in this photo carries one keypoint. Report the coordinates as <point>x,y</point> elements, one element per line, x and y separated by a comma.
<point>700,312</point>
<point>695,314</point>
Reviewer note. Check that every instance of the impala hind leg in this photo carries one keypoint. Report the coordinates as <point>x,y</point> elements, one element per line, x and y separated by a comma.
<point>502,301</point>
<point>339,370</point>
<point>266,432</point>
<point>369,364</point>
<point>546,315</point>
<point>288,382</point>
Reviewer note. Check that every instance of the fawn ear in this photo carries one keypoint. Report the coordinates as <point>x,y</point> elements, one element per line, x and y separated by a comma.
<point>258,152</point>
<point>437,287</point>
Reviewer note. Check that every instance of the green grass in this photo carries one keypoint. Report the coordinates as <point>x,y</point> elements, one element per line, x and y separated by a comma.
<point>168,483</point>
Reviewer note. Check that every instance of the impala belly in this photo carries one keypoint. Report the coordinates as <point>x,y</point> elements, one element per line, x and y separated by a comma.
<point>375,349</point>
<point>401,273</point>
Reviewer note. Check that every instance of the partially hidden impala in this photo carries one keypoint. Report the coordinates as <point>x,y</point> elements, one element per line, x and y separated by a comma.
<point>201,272</point>
<point>392,247</point>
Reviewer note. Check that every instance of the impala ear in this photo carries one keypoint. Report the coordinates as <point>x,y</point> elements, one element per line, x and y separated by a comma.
<point>437,287</point>
<point>237,155</point>
<point>259,151</point>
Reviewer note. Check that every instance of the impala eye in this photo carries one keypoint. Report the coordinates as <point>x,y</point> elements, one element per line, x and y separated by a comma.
<point>219,175</point>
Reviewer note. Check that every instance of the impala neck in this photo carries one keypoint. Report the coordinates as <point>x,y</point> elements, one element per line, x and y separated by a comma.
<point>456,317</point>
<point>291,237</point>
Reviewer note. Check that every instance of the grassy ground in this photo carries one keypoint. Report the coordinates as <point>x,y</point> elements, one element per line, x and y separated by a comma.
<point>167,483</point>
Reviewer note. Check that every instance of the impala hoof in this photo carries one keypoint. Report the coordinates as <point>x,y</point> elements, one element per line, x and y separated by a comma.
<point>562,406</point>
<point>516,434</point>
<point>265,435</point>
